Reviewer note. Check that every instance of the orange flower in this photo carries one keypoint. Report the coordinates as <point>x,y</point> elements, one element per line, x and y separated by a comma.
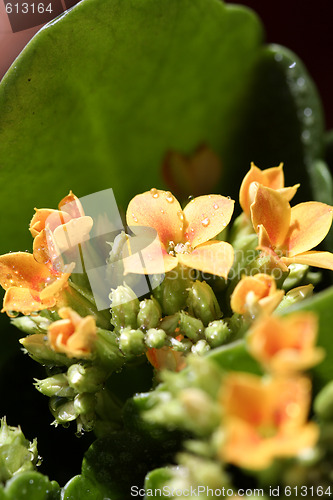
<point>285,344</point>
<point>166,359</point>
<point>254,294</point>
<point>264,419</point>
<point>271,177</point>
<point>30,286</point>
<point>183,235</point>
<point>291,232</point>
<point>73,335</point>
<point>57,231</point>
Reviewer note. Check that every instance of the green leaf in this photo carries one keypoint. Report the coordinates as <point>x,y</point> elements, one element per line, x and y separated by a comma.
<point>322,304</point>
<point>99,96</point>
<point>234,357</point>
<point>31,485</point>
<point>79,487</point>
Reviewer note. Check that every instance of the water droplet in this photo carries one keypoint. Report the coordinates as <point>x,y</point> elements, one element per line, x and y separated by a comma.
<point>229,197</point>
<point>154,193</point>
<point>215,206</point>
<point>134,218</point>
<point>190,197</point>
<point>169,197</point>
<point>308,112</point>
<point>162,211</point>
<point>12,314</point>
<point>205,222</point>
<point>180,215</point>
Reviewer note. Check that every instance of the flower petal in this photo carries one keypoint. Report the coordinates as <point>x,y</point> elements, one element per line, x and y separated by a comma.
<point>159,210</point>
<point>47,217</point>
<point>21,269</point>
<point>25,301</point>
<point>271,177</point>
<point>252,291</point>
<point>206,217</point>
<point>324,260</point>
<point>309,224</point>
<point>213,257</point>
<point>152,259</point>
<point>72,205</point>
<point>271,210</point>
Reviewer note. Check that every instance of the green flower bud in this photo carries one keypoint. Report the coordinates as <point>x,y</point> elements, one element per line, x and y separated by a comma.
<point>200,347</point>
<point>170,324</point>
<point>55,386</point>
<point>131,342</point>
<point>217,332</point>
<point>31,324</point>
<point>63,410</point>
<point>184,345</point>
<point>107,350</point>
<point>85,403</point>
<point>191,327</point>
<point>155,338</point>
<point>38,348</point>
<point>267,264</point>
<point>296,274</point>
<point>323,403</point>
<point>173,291</point>
<point>202,302</point>
<point>150,314</point>
<point>124,307</point>
<point>85,379</point>
<point>17,454</point>
<point>293,296</point>
<point>85,423</point>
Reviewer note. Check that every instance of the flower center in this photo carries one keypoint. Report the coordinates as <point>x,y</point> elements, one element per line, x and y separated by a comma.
<point>173,248</point>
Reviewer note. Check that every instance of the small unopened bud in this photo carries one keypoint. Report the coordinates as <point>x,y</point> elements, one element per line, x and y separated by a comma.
<point>191,327</point>
<point>85,403</point>
<point>296,274</point>
<point>85,379</point>
<point>107,350</point>
<point>150,314</point>
<point>170,324</point>
<point>55,386</point>
<point>39,349</point>
<point>131,342</point>
<point>323,404</point>
<point>155,338</point>
<point>217,332</point>
<point>202,302</point>
<point>200,347</point>
<point>124,307</point>
<point>62,410</point>
<point>183,345</point>
<point>295,295</point>
<point>31,324</point>
<point>172,292</point>
<point>17,454</point>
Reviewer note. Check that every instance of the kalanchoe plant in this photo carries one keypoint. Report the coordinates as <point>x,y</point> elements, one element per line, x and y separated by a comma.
<point>227,370</point>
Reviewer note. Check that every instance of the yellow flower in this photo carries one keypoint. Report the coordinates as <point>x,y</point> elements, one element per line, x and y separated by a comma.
<point>285,344</point>
<point>57,231</point>
<point>290,233</point>
<point>183,235</point>
<point>264,419</point>
<point>256,294</point>
<point>30,286</point>
<point>271,177</point>
<point>73,335</point>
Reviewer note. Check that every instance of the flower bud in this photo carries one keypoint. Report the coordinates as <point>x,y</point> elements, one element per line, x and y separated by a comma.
<point>217,332</point>
<point>172,292</point>
<point>107,350</point>
<point>38,348</point>
<point>268,264</point>
<point>63,410</point>
<point>183,345</point>
<point>124,307</point>
<point>85,379</point>
<point>155,338</point>
<point>131,342</point>
<point>296,274</point>
<point>323,404</point>
<point>170,324</point>
<point>293,296</point>
<point>31,324</point>
<point>55,386</point>
<point>200,347</point>
<point>202,302</point>
<point>191,327</point>
<point>85,403</point>
<point>149,314</point>
<point>17,454</point>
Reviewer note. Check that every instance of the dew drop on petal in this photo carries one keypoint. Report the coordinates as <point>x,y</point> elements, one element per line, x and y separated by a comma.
<point>190,197</point>
<point>162,211</point>
<point>229,197</point>
<point>205,222</point>
<point>154,193</point>
<point>134,218</point>
<point>180,215</point>
<point>169,197</point>
<point>215,206</point>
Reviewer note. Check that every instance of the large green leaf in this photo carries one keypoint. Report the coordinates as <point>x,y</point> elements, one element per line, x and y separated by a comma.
<point>99,95</point>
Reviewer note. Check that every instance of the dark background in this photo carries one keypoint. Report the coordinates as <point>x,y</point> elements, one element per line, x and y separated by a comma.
<point>306,28</point>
